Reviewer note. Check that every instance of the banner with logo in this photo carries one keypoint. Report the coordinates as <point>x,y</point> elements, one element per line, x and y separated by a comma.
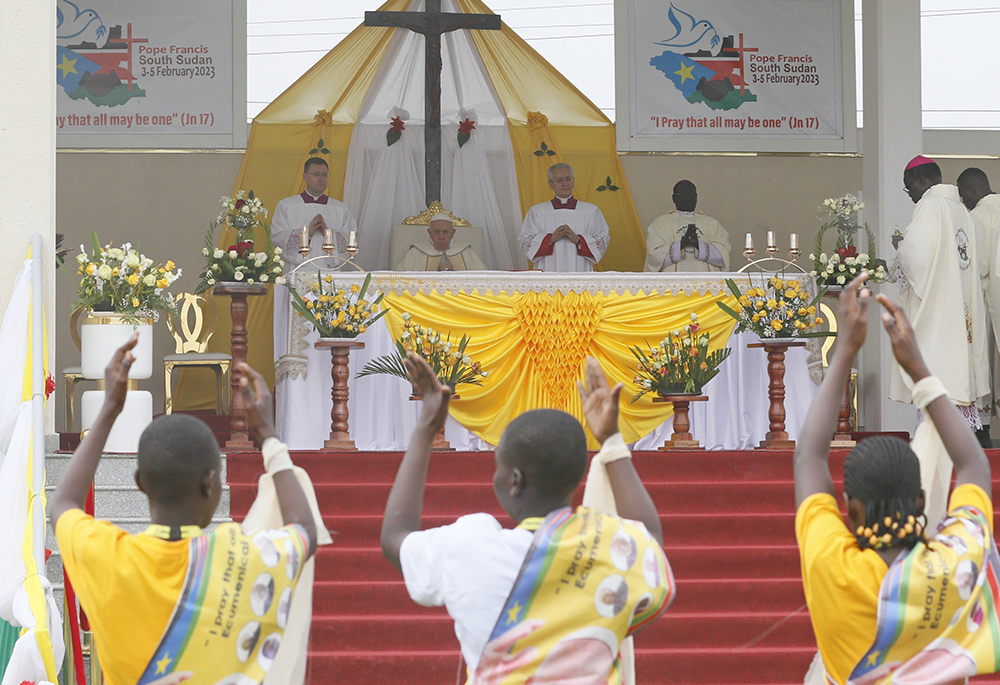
<point>755,73</point>
<point>144,68</point>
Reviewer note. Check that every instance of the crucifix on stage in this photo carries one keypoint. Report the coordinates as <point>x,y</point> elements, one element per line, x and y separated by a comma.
<point>432,23</point>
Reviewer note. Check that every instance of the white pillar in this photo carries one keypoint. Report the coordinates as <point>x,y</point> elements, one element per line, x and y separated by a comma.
<point>28,149</point>
<point>893,134</point>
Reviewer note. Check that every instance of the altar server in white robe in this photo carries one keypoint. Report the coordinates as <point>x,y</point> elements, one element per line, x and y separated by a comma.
<point>686,240</point>
<point>984,205</point>
<point>440,251</point>
<point>564,234</point>
<point>318,212</point>
<point>941,295</point>
<point>315,210</point>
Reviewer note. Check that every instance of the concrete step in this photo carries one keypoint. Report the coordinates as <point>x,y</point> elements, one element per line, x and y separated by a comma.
<point>114,469</point>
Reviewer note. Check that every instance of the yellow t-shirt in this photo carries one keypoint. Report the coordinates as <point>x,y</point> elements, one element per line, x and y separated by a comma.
<point>841,581</point>
<point>130,585</point>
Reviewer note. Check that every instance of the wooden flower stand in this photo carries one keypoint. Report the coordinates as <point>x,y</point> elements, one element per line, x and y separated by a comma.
<point>842,436</point>
<point>681,439</point>
<point>776,438</point>
<point>340,352</point>
<point>440,444</point>
<point>238,308</point>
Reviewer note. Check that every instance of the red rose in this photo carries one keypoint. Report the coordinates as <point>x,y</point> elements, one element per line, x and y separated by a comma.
<point>239,204</point>
<point>849,251</point>
<point>50,386</point>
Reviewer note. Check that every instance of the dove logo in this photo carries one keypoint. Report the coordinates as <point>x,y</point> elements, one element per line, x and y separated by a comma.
<point>75,26</point>
<point>690,34</point>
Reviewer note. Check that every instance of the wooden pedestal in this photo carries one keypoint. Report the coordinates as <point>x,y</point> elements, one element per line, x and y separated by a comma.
<point>681,438</point>
<point>238,308</point>
<point>776,438</point>
<point>340,353</point>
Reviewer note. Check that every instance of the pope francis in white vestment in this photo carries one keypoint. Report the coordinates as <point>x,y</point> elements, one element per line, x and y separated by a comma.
<point>564,234</point>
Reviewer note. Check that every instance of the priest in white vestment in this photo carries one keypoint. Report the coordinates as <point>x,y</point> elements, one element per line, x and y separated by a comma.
<point>684,239</point>
<point>318,213</point>
<point>984,205</point>
<point>564,234</point>
<point>440,251</point>
<point>941,295</point>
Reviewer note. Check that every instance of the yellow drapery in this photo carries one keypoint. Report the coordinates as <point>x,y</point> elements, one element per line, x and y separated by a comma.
<point>533,346</point>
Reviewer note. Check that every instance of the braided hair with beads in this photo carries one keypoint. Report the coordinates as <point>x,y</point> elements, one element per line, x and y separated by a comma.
<point>884,473</point>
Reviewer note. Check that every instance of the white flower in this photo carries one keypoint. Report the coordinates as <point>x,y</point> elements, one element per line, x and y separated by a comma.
<point>863,257</point>
<point>132,260</point>
<point>484,374</point>
<point>238,275</point>
<point>210,280</point>
<point>146,262</point>
<point>116,253</point>
<point>249,280</point>
<point>842,268</point>
<point>812,257</point>
<point>677,333</point>
<point>822,257</point>
<point>813,274</point>
<point>233,254</point>
<point>840,280</point>
<point>218,254</point>
<point>149,280</point>
<point>104,271</point>
<point>694,317</point>
<point>276,270</point>
<point>849,261</point>
<point>277,250</point>
<point>466,359</point>
<point>205,251</point>
<point>280,280</point>
<point>82,258</point>
<point>263,278</point>
<point>406,316</point>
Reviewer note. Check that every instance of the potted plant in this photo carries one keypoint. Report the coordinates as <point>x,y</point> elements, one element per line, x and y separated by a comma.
<point>680,365</point>
<point>845,262</point>
<point>776,309</point>
<point>240,262</point>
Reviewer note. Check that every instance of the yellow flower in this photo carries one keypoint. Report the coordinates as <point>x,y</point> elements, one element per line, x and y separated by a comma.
<point>789,293</point>
<point>114,271</point>
<point>794,284</point>
<point>170,265</point>
<point>811,310</point>
<point>133,279</point>
<point>135,301</point>
<point>328,278</point>
<point>91,268</point>
<point>162,283</point>
<point>745,301</point>
<point>758,304</point>
<point>819,320</point>
<point>771,304</point>
<point>776,325</point>
<point>803,311</point>
<point>355,288</point>
<point>703,366</point>
<point>738,308</point>
<point>361,329</point>
<point>310,305</point>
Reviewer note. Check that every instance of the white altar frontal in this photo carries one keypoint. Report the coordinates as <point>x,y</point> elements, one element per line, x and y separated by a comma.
<point>382,415</point>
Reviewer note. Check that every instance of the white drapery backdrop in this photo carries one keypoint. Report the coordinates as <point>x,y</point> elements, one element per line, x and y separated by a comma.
<point>385,183</point>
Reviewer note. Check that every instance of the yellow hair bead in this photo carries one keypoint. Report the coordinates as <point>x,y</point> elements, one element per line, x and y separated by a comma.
<point>888,521</point>
<point>861,530</point>
<point>908,528</point>
<point>873,540</point>
<point>875,527</point>
<point>911,520</point>
<point>901,533</point>
<point>887,538</point>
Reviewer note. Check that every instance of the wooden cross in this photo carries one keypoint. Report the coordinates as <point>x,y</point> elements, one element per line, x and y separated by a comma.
<point>432,23</point>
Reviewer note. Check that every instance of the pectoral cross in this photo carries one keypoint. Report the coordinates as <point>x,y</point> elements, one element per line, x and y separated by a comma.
<point>432,23</point>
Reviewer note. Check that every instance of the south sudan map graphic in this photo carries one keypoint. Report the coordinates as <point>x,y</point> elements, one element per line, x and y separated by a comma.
<point>702,66</point>
<point>94,62</point>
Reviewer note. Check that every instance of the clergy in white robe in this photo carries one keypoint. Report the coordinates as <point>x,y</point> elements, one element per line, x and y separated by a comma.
<point>318,213</point>
<point>940,292</point>
<point>684,239</point>
<point>564,234</point>
<point>440,251</point>
<point>984,205</point>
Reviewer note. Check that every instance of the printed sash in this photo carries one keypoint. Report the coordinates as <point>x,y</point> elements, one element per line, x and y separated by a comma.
<point>937,614</point>
<point>587,582</point>
<point>233,609</point>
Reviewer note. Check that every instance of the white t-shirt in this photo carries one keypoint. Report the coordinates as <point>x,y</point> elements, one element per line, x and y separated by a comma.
<point>468,567</point>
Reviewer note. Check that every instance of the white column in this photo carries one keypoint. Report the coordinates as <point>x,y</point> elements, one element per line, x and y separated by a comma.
<point>893,134</point>
<point>28,148</point>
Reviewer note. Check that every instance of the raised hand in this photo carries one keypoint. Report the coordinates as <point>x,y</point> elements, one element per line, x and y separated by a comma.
<point>257,402</point>
<point>904,344</point>
<point>600,401</point>
<point>116,375</point>
<point>427,387</point>
<point>852,314</point>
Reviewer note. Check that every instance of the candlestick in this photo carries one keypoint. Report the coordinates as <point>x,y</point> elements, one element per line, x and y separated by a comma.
<point>304,241</point>
<point>749,242</point>
<point>794,241</point>
<point>352,243</point>
<point>327,241</point>
<point>770,239</point>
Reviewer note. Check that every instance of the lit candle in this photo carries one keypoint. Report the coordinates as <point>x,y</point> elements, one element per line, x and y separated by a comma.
<point>794,241</point>
<point>304,238</point>
<point>327,237</point>
<point>770,239</point>
<point>352,239</point>
<point>749,243</point>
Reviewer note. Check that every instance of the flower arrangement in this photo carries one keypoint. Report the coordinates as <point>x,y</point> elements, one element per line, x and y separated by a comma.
<point>239,262</point>
<point>779,309</point>
<point>337,312</point>
<point>845,262</point>
<point>681,363</point>
<point>450,363</point>
<point>124,281</point>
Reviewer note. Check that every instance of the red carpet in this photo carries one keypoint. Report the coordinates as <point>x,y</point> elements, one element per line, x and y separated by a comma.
<point>728,524</point>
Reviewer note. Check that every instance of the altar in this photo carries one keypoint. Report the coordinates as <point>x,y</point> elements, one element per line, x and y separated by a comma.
<point>532,331</point>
